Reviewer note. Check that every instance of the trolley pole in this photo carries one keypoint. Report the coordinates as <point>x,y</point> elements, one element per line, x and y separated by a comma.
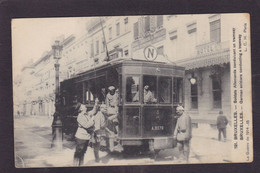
<point>57,132</point>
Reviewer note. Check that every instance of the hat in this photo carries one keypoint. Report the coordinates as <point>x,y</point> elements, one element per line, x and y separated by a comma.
<point>179,108</point>
<point>111,88</point>
<point>220,112</point>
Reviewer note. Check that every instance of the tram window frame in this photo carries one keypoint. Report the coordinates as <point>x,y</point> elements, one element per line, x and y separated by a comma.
<point>161,89</point>
<point>155,91</point>
<point>138,90</point>
<point>88,93</point>
<point>177,93</point>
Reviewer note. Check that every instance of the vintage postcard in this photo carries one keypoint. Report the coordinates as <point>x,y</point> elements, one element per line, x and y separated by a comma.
<point>132,90</point>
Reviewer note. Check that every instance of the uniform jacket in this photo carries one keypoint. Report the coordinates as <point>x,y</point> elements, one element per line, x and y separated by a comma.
<point>183,128</point>
<point>85,121</point>
<point>100,121</point>
<point>148,97</point>
<point>112,104</point>
<point>222,122</point>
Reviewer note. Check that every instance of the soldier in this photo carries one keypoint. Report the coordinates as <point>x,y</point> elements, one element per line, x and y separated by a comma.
<point>182,133</point>
<point>148,95</point>
<point>85,129</point>
<point>221,125</point>
<point>112,107</point>
<point>100,125</point>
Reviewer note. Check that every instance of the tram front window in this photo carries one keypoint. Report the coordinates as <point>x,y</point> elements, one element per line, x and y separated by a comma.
<point>150,89</point>
<point>132,89</point>
<point>165,89</point>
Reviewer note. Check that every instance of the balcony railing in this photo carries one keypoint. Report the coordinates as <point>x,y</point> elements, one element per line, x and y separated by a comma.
<point>149,38</point>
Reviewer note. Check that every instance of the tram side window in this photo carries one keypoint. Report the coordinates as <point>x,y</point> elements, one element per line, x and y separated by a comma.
<point>178,90</point>
<point>165,89</point>
<point>132,89</point>
<point>90,92</point>
<point>150,89</point>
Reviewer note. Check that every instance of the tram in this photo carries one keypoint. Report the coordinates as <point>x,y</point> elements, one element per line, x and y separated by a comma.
<point>143,124</point>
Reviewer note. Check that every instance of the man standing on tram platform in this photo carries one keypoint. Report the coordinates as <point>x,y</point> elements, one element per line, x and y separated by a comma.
<point>112,107</point>
<point>182,133</point>
<point>100,126</point>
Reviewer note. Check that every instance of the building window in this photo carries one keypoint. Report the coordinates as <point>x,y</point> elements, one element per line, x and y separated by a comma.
<point>126,24</point>
<point>118,29</point>
<point>97,47</point>
<point>110,33</point>
<point>103,45</point>
<point>159,21</point>
<point>147,24</point>
<point>92,50</point>
<point>216,91</point>
<point>160,50</point>
<point>194,96</point>
<point>136,32</point>
<point>215,31</point>
<point>192,28</point>
<point>173,35</point>
<point>126,52</point>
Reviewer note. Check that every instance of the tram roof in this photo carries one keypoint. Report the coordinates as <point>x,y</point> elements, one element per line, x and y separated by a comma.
<point>127,62</point>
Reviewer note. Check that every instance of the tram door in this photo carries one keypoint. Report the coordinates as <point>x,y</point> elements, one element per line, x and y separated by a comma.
<point>132,118</point>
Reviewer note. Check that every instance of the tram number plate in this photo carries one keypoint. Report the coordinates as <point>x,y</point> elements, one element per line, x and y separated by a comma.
<point>157,127</point>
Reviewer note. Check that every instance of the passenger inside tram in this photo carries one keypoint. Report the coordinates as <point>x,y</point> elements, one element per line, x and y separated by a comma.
<point>148,95</point>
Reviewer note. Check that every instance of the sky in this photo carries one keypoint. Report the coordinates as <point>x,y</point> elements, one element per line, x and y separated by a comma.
<point>31,37</point>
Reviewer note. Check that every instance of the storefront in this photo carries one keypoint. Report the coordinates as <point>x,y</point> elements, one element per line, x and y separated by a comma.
<point>207,84</point>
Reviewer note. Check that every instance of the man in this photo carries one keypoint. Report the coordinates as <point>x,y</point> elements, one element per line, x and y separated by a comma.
<point>85,129</point>
<point>221,125</point>
<point>148,95</point>
<point>182,133</point>
<point>112,107</point>
<point>100,125</point>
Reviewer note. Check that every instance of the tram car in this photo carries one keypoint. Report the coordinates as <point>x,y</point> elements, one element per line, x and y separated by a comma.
<point>145,122</point>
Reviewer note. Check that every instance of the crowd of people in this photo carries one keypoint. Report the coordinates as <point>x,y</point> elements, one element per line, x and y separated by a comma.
<point>93,124</point>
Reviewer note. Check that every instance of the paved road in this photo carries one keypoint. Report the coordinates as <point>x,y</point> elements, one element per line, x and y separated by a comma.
<point>33,149</point>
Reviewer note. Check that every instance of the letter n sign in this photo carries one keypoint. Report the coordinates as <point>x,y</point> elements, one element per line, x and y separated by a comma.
<point>150,53</point>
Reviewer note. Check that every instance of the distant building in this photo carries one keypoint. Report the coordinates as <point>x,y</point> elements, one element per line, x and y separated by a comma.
<point>200,43</point>
<point>38,84</point>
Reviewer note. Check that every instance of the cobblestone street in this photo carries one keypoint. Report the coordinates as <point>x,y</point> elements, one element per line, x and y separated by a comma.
<point>33,148</point>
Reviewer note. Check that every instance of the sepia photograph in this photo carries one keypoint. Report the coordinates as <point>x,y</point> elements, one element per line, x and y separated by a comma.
<point>132,90</point>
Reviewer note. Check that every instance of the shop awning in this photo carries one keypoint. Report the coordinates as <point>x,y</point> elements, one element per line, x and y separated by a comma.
<point>207,60</point>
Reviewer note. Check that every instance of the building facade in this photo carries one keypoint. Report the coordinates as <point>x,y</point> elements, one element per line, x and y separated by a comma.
<point>38,84</point>
<point>200,43</point>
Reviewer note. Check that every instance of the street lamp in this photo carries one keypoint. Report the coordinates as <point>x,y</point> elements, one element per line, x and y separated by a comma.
<point>193,79</point>
<point>57,134</point>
